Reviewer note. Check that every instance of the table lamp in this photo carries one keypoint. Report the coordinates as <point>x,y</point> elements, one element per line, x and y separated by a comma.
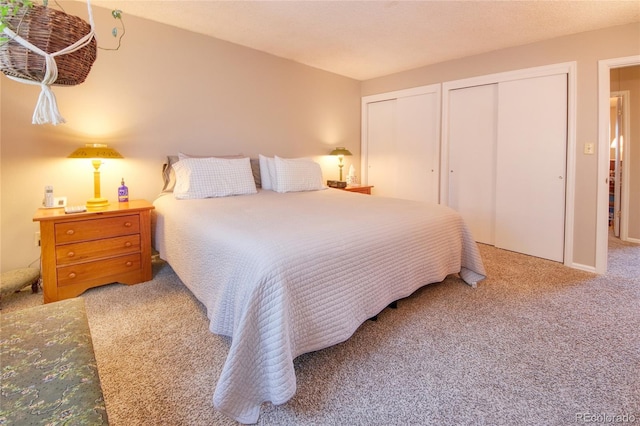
<point>96,152</point>
<point>340,152</point>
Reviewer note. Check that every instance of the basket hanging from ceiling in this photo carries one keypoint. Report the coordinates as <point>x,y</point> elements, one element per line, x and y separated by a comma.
<point>51,31</point>
<point>48,47</point>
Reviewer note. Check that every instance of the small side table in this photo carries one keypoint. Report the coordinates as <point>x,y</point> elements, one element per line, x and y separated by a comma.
<point>359,189</point>
<point>96,247</point>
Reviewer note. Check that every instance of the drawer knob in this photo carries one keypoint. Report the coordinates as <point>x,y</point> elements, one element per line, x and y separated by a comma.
<point>71,254</point>
<point>71,232</point>
<point>72,275</point>
<point>127,244</point>
<point>127,224</point>
<point>129,263</point>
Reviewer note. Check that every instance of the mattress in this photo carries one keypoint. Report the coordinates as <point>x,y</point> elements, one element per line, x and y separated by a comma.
<point>284,274</point>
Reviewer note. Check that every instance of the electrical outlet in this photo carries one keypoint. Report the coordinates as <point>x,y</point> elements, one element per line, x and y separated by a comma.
<point>36,239</point>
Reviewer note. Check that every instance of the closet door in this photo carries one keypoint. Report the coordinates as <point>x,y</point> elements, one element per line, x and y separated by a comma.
<point>382,162</point>
<point>418,144</point>
<point>531,166</point>
<point>403,145</point>
<point>507,147</point>
<point>472,157</point>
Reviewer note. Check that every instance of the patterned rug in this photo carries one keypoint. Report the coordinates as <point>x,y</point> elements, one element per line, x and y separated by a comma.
<point>49,371</point>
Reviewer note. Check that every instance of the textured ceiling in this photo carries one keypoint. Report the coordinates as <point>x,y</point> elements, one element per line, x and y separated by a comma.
<point>367,39</point>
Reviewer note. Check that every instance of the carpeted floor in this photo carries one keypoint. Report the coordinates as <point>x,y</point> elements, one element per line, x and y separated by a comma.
<point>536,343</point>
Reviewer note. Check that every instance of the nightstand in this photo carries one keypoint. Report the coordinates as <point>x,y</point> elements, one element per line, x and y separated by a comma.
<point>360,189</point>
<point>84,250</point>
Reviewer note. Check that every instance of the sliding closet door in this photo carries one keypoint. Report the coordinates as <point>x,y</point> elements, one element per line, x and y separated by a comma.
<point>402,143</point>
<point>531,166</point>
<point>417,136</point>
<point>382,161</point>
<point>507,145</point>
<point>472,157</point>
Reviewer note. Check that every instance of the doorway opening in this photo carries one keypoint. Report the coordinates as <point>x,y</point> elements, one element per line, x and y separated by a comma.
<point>618,210</point>
<point>619,184</point>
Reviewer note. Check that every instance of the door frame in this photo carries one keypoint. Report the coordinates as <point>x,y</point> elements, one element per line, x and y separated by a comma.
<point>569,68</point>
<point>602,191</point>
<point>625,176</point>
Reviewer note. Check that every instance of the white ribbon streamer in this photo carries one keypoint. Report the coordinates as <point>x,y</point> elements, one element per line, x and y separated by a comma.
<point>46,110</point>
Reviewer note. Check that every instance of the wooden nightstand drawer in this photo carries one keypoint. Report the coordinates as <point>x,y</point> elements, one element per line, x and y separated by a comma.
<point>93,229</point>
<point>98,270</point>
<point>91,250</point>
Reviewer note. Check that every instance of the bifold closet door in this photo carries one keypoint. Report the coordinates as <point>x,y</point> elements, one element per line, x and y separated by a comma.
<point>531,166</point>
<point>403,147</point>
<point>472,157</point>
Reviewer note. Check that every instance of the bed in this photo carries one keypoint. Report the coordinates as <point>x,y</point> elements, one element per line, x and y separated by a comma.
<point>284,273</point>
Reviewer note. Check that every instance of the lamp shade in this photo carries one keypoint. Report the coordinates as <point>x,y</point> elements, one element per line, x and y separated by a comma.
<point>614,142</point>
<point>340,150</point>
<point>95,150</point>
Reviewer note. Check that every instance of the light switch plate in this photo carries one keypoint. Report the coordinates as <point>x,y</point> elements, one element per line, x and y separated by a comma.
<point>589,148</point>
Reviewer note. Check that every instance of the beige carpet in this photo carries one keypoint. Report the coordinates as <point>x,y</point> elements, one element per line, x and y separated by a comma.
<point>536,343</point>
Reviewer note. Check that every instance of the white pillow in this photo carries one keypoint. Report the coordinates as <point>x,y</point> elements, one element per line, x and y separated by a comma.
<point>213,177</point>
<point>169,175</point>
<point>271,163</point>
<point>265,177</point>
<point>297,174</point>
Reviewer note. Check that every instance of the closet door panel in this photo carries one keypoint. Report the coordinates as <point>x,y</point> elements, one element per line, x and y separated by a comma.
<point>531,166</point>
<point>382,161</point>
<point>417,135</point>
<point>472,157</point>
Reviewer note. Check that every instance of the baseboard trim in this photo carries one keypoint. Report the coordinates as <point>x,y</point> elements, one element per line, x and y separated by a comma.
<point>587,268</point>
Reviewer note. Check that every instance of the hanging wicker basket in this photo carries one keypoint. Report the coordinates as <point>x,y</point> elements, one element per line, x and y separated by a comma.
<point>50,30</point>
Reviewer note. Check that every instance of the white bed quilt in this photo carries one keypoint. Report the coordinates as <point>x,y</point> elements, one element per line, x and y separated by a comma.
<point>287,274</point>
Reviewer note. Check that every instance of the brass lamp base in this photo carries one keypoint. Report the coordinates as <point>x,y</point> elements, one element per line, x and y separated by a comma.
<point>97,203</point>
